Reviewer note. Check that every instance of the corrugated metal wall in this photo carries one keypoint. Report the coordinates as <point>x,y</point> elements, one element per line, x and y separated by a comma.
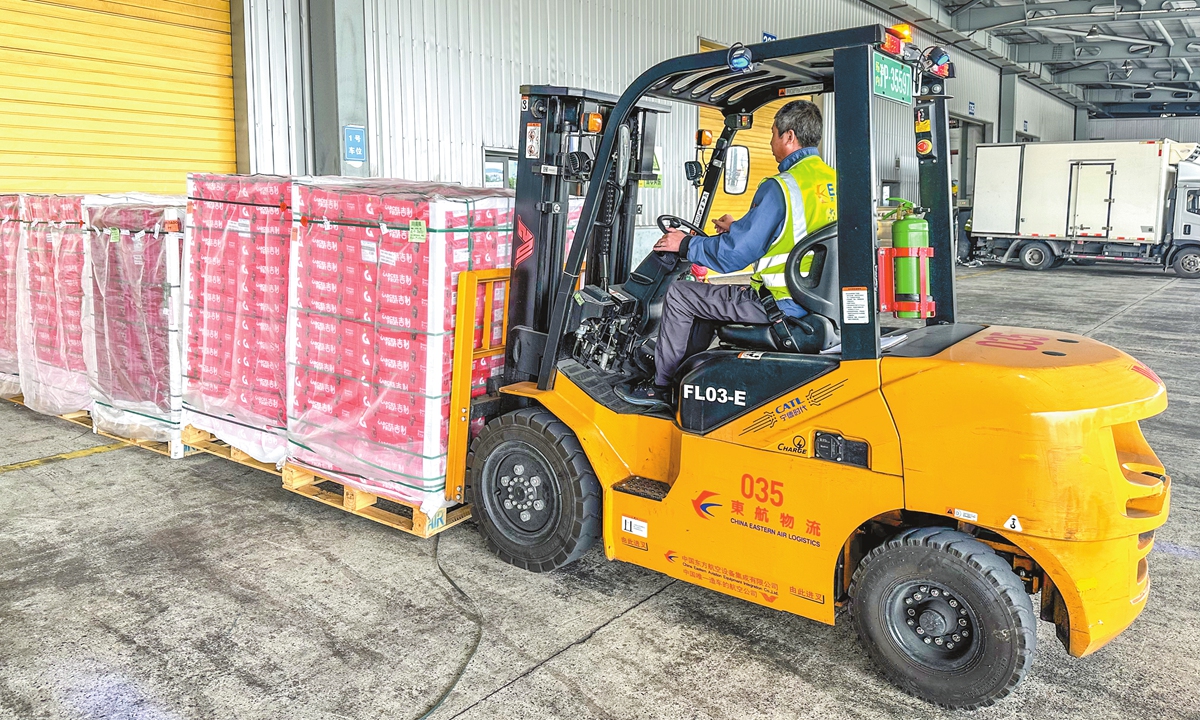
<point>275,109</point>
<point>106,96</point>
<point>445,73</point>
<point>1049,118</point>
<point>1183,129</point>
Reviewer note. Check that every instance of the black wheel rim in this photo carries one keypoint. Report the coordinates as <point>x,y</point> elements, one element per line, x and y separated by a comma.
<point>933,625</point>
<point>520,493</point>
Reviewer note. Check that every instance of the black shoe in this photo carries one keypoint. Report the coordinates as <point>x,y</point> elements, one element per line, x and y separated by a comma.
<point>645,393</point>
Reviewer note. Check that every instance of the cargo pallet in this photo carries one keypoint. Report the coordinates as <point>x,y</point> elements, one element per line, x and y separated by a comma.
<point>404,517</point>
<point>206,442</point>
<point>173,449</point>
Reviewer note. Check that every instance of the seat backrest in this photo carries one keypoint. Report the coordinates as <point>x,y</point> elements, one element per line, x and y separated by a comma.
<point>815,286</point>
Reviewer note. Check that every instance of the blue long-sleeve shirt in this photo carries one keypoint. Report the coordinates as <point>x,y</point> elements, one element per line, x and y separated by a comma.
<point>750,237</point>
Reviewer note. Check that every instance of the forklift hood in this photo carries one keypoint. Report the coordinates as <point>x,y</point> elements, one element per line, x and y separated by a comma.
<point>1036,425</point>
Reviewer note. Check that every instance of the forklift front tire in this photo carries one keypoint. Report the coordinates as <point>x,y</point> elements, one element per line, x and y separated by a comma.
<point>1187,262</point>
<point>1036,256</point>
<point>945,617</point>
<point>532,491</point>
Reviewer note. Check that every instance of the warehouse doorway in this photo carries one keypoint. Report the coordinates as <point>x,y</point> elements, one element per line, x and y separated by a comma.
<point>966,134</point>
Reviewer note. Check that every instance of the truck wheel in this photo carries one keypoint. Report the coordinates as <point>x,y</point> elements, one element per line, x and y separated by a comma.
<point>532,490</point>
<point>1036,256</point>
<point>945,617</point>
<point>1187,263</point>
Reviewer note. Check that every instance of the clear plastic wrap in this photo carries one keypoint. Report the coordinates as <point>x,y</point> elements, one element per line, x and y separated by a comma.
<point>373,282</point>
<point>10,241</point>
<point>132,314</point>
<point>50,273</point>
<point>235,324</point>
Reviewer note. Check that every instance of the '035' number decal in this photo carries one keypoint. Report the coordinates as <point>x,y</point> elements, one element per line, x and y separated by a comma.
<point>762,490</point>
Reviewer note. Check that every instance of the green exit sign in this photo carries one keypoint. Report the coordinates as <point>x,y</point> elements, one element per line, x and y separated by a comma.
<point>891,79</point>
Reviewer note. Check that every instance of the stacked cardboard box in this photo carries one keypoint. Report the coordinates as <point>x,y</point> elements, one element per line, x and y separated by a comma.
<point>10,240</point>
<point>50,271</point>
<point>236,268</point>
<point>374,270</point>
<point>131,318</point>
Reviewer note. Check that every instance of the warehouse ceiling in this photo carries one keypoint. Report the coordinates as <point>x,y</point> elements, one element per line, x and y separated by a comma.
<point>1132,58</point>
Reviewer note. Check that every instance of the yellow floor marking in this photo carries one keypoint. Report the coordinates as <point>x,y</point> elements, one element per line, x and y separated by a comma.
<point>61,456</point>
<point>985,272</point>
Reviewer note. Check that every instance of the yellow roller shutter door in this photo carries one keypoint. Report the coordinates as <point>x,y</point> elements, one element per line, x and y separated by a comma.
<point>114,95</point>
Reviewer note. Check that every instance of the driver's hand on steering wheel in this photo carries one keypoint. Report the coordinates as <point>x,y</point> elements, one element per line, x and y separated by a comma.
<point>722,223</point>
<point>671,241</point>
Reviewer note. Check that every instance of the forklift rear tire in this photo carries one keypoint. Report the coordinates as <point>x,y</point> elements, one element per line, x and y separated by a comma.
<point>1036,256</point>
<point>945,617</point>
<point>532,490</point>
<point>1187,263</point>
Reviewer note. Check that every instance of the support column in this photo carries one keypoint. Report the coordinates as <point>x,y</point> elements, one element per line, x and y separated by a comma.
<point>1081,124</point>
<point>339,87</point>
<point>1007,126</point>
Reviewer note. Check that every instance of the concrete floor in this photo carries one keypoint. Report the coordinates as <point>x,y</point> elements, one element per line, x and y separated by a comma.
<point>135,587</point>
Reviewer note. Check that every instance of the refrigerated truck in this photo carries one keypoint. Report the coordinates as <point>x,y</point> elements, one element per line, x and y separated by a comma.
<point>1123,201</point>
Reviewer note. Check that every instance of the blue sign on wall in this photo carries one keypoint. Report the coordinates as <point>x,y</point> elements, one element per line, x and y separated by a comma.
<point>971,108</point>
<point>354,142</point>
<point>1026,126</point>
<point>768,37</point>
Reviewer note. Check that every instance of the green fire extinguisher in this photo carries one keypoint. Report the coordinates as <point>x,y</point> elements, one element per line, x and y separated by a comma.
<point>909,231</point>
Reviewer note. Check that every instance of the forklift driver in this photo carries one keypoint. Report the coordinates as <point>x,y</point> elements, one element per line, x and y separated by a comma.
<point>805,191</point>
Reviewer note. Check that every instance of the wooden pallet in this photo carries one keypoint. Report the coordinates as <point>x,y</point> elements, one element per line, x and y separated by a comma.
<point>204,441</point>
<point>406,517</point>
<point>84,419</point>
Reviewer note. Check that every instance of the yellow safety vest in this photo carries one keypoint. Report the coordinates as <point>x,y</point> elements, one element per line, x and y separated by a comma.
<point>810,196</point>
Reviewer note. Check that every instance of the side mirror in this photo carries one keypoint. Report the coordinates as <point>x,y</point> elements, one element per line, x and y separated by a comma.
<point>737,169</point>
<point>693,170</point>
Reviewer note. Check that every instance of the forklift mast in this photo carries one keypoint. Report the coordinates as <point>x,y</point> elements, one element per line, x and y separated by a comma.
<point>561,132</point>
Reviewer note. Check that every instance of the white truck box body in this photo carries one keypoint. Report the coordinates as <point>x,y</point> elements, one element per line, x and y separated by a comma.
<point>1064,190</point>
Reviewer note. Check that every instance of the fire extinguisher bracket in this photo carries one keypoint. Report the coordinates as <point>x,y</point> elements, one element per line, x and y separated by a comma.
<point>886,264</point>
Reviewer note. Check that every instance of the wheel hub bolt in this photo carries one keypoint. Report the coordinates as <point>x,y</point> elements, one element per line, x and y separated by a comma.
<point>965,633</point>
<point>911,612</point>
<point>924,588</point>
<point>908,601</point>
<point>956,637</point>
<point>962,611</point>
<point>920,631</point>
<point>953,603</point>
<point>518,469</point>
<point>524,516</point>
<point>505,480</point>
<point>535,481</point>
<point>507,504</point>
<point>950,646</point>
<point>938,641</point>
<point>911,623</point>
<point>927,641</point>
<point>934,592</point>
<point>538,504</point>
<point>962,622</point>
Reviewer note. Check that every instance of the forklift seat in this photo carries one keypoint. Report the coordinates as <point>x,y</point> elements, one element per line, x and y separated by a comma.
<point>816,290</point>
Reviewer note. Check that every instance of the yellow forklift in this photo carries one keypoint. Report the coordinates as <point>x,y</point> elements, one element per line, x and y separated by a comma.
<point>927,479</point>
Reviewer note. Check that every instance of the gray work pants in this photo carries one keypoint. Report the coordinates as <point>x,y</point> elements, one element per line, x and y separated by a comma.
<point>691,312</point>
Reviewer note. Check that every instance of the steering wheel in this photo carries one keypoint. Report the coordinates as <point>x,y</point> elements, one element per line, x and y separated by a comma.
<point>671,222</point>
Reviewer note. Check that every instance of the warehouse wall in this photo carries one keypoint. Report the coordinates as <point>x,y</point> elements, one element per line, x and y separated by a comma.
<point>1183,129</point>
<point>443,76</point>
<point>1049,119</point>
<point>273,51</point>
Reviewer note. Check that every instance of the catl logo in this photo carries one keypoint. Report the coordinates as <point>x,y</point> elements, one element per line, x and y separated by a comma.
<point>703,508</point>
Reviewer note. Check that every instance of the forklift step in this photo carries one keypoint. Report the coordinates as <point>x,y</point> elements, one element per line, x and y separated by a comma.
<point>643,487</point>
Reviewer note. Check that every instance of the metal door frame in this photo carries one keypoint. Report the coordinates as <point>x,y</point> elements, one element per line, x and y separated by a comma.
<point>1073,198</point>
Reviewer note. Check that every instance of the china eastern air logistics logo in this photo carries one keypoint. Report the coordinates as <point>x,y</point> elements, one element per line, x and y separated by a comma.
<point>703,507</point>
<point>671,556</point>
